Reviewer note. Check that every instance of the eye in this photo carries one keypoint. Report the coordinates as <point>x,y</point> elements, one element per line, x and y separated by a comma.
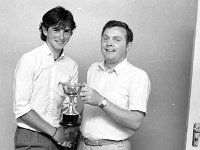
<point>67,31</point>
<point>56,30</point>
<point>117,39</point>
<point>105,39</point>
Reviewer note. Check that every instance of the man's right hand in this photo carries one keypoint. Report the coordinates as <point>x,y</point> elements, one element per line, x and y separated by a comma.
<point>60,136</point>
<point>67,137</point>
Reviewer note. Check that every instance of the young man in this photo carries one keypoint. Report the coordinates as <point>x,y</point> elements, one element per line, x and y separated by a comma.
<point>116,94</point>
<point>37,97</point>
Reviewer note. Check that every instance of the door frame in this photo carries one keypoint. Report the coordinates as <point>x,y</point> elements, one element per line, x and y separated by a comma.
<point>194,96</point>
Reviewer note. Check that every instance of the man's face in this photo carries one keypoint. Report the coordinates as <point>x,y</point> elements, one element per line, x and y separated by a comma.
<point>114,46</point>
<point>57,38</point>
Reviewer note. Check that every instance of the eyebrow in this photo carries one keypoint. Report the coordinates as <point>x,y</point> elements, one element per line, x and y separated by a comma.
<point>106,36</point>
<point>67,30</point>
<point>61,27</point>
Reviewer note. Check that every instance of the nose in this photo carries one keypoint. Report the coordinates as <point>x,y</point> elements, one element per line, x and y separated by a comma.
<point>109,42</point>
<point>61,34</point>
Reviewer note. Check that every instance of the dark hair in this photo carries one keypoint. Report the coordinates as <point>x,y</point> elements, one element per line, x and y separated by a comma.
<point>57,17</point>
<point>115,23</point>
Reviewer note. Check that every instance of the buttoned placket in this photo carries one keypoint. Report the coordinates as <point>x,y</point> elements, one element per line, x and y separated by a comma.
<point>51,86</point>
<point>100,87</point>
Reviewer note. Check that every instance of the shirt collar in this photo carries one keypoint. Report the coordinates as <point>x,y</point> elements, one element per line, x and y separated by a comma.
<point>117,69</point>
<point>48,52</point>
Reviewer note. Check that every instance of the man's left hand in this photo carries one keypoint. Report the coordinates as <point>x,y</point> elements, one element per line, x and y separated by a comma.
<point>90,96</point>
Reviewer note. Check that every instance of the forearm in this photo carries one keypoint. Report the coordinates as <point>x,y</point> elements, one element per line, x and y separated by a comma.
<point>34,120</point>
<point>126,118</point>
<point>129,119</point>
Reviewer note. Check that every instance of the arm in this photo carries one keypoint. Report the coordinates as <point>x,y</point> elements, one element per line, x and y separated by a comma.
<point>22,93</point>
<point>35,121</point>
<point>138,96</point>
<point>129,119</point>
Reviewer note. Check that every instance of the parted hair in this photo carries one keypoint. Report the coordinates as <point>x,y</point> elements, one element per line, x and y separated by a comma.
<point>57,17</point>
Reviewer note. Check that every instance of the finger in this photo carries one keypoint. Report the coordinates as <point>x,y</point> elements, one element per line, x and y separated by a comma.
<point>84,93</point>
<point>85,88</point>
<point>84,98</point>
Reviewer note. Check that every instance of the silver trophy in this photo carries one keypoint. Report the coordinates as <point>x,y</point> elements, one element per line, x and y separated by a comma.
<point>70,118</point>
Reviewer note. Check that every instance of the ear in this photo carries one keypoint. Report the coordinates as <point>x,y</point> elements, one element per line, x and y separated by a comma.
<point>128,46</point>
<point>44,31</point>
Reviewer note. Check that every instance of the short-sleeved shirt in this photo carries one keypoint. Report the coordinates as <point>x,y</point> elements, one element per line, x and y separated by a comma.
<point>36,84</point>
<point>126,86</point>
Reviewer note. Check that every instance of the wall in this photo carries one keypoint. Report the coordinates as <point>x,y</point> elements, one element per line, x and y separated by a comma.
<point>163,42</point>
<point>194,96</point>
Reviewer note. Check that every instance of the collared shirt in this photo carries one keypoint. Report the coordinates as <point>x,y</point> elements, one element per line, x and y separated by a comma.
<point>36,87</point>
<point>126,86</point>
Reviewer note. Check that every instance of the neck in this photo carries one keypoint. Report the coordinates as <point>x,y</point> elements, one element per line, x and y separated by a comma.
<point>56,52</point>
<point>56,55</point>
<point>111,65</point>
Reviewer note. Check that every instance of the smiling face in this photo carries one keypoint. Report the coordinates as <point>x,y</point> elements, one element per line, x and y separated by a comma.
<point>57,38</point>
<point>114,46</point>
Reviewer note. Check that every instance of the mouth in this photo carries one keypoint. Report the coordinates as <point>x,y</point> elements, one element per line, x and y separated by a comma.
<point>109,50</point>
<point>60,42</point>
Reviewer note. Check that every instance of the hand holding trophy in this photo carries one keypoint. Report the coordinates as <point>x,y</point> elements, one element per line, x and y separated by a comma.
<point>70,118</point>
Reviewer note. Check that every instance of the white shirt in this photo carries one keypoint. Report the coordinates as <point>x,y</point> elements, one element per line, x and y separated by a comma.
<point>127,87</point>
<point>36,84</point>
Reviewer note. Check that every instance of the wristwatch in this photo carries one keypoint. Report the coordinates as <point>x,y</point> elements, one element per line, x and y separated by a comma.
<point>103,103</point>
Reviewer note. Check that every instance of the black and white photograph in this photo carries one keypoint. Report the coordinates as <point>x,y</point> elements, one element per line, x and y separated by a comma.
<point>100,75</point>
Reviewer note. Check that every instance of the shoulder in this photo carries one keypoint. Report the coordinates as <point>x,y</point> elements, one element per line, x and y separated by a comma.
<point>33,53</point>
<point>135,71</point>
<point>29,57</point>
<point>94,66</point>
<point>27,61</point>
<point>69,60</point>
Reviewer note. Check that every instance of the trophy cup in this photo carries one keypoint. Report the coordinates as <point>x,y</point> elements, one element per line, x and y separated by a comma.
<point>70,118</point>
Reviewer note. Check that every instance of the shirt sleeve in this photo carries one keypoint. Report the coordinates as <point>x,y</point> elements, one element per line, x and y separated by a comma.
<point>90,72</point>
<point>139,93</point>
<point>22,88</point>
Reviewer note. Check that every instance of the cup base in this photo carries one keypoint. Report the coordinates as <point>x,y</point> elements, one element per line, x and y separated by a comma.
<point>70,120</point>
<point>69,124</point>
